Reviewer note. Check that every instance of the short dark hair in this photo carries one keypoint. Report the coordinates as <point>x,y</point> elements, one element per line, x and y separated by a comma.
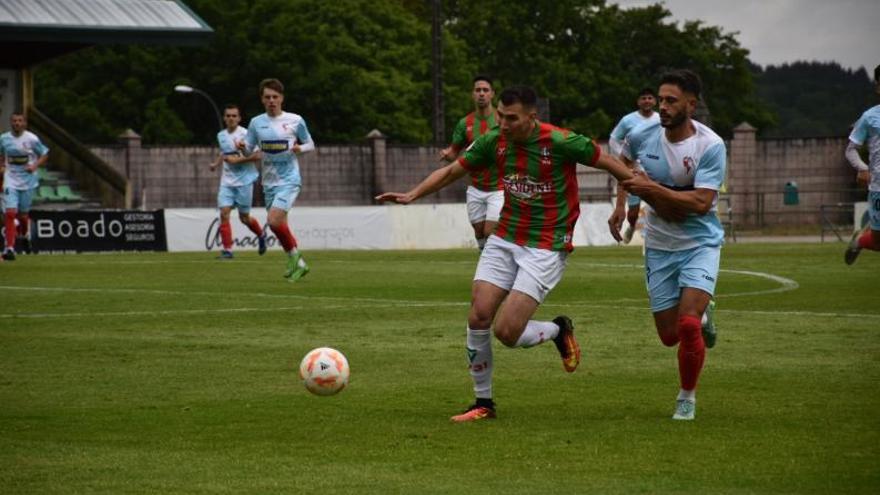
<point>273,84</point>
<point>519,94</point>
<point>230,106</point>
<point>687,80</point>
<point>482,77</point>
<point>877,74</point>
<point>648,91</point>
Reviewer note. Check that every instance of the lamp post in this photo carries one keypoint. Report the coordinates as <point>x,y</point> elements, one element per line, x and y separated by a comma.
<point>182,88</point>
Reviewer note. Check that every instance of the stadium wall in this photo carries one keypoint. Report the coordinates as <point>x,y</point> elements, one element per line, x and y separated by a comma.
<point>426,226</point>
<point>351,175</point>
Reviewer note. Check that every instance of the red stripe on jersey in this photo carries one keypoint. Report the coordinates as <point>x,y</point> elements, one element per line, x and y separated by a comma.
<point>469,128</point>
<point>525,214</point>
<point>484,182</point>
<point>502,229</point>
<point>545,171</point>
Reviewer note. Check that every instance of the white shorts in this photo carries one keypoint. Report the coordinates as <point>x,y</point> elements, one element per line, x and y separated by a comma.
<point>484,206</point>
<point>528,270</point>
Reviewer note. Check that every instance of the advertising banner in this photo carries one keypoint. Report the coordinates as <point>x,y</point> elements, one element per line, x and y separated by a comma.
<point>97,230</point>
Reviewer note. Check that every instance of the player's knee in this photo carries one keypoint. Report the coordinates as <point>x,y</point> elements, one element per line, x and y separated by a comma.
<point>245,218</point>
<point>689,329</point>
<point>478,319</point>
<point>506,334</point>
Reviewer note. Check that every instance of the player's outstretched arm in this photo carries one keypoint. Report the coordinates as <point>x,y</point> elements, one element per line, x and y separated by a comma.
<point>671,205</point>
<point>438,179</point>
<point>615,221</point>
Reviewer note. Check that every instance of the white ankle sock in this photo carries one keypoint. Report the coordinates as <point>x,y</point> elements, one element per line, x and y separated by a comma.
<point>537,332</point>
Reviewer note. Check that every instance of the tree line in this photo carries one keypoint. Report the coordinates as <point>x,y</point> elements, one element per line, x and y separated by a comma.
<point>350,66</point>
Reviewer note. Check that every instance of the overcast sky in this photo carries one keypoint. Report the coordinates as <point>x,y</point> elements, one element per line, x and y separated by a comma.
<point>779,31</point>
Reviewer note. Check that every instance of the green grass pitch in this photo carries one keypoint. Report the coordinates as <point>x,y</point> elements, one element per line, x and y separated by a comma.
<point>176,373</point>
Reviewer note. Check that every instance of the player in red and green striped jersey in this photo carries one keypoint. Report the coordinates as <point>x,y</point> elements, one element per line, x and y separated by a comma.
<point>525,257</point>
<point>485,194</point>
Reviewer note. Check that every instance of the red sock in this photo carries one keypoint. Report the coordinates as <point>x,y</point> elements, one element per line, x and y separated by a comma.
<point>24,223</point>
<point>866,240</point>
<point>254,225</point>
<point>226,235</point>
<point>691,351</point>
<point>10,229</point>
<point>285,236</point>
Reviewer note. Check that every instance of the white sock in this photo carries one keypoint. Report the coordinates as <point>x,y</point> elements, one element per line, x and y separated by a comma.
<point>690,395</point>
<point>479,349</point>
<point>537,332</point>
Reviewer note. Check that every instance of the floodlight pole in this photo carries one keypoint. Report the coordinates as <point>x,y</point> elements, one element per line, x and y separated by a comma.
<point>182,88</point>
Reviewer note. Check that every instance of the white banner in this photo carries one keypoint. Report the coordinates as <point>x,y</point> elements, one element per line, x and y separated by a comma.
<point>426,226</point>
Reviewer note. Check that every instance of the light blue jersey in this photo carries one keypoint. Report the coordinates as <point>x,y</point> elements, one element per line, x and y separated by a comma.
<point>275,136</point>
<point>698,162</point>
<point>21,151</point>
<point>243,174</point>
<point>867,131</point>
<point>629,122</point>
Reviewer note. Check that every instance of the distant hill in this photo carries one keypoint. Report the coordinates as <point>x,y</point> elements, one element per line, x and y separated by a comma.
<point>813,99</point>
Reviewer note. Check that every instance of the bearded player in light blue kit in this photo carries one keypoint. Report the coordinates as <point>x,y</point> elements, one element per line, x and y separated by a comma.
<point>21,154</point>
<point>867,132</point>
<point>645,101</point>
<point>236,182</point>
<point>681,166</point>
<point>280,136</point>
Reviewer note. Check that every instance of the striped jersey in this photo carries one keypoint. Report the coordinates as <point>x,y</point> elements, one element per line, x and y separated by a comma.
<point>698,162</point>
<point>21,151</point>
<point>867,131</point>
<point>541,203</point>
<point>242,174</point>
<point>275,136</point>
<point>469,128</point>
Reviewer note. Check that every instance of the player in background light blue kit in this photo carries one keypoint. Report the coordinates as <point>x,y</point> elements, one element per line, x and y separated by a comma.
<point>236,182</point>
<point>645,101</point>
<point>867,132</point>
<point>681,165</point>
<point>280,135</point>
<point>21,154</point>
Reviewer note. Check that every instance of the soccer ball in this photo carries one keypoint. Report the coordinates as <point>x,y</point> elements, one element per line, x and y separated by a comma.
<point>324,371</point>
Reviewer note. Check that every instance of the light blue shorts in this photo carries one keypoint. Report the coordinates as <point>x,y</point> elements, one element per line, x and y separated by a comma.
<point>874,209</point>
<point>281,197</point>
<point>667,272</point>
<point>633,200</point>
<point>240,197</point>
<point>18,199</point>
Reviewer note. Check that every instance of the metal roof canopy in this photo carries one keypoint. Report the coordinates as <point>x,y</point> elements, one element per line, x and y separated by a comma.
<point>32,31</point>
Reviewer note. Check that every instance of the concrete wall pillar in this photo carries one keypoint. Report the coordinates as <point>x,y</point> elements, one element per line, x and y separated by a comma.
<point>134,166</point>
<point>378,142</point>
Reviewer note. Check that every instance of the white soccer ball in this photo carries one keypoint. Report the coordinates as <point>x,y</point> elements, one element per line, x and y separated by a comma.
<point>324,371</point>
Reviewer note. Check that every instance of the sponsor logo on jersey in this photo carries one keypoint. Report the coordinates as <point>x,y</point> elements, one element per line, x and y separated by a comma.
<point>652,157</point>
<point>688,164</point>
<point>525,188</point>
<point>18,159</point>
<point>274,146</point>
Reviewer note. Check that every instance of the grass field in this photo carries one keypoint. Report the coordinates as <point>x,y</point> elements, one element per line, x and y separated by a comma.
<point>176,373</point>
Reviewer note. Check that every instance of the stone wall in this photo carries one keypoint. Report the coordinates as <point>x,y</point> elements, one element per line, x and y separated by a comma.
<point>758,171</point>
